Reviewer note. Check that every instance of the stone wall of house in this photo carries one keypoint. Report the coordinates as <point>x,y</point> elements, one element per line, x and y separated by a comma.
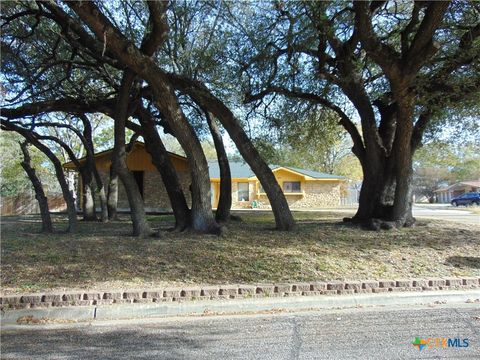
<point>316,195</point>
<point>155,195</point>
<point>319,194</point>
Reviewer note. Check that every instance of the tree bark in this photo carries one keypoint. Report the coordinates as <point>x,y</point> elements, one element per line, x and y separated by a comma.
<point>112,197</point>
<point>225,199</point>
<point>71,210</point>
<point>31,138</point>
<point>202,96</point>
<point>402,150</point>
<point>100,190</point>
<point>401,70</point>
<point>88,201</point>
<point>166,101</point>
<point>92,168</point>
<point>141,227</point>
<point>47,226</point>
<point>161,160</point>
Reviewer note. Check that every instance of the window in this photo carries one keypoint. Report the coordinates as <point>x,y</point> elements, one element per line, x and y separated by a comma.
<point>243,191</point>
<point>291,186</point>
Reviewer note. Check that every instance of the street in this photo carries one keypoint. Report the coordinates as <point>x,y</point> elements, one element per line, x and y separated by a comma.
<point>446,212</point>
<point>359,333</point>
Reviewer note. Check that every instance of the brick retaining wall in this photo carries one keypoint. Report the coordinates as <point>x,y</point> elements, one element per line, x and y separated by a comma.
<point>86,298</point>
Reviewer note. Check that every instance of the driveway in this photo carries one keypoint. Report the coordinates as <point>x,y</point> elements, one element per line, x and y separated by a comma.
<point>446,212</point>
<point>370,333</point>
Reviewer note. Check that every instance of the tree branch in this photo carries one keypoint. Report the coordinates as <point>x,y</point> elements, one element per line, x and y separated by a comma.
<point>67,105</point>
<point>156,32</point>
<point>419,129</point>
<point>383,54</point>
<point>423,47</point>
<point>67,23</point>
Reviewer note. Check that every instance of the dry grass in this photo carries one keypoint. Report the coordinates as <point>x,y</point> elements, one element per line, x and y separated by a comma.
<point>103,256</point>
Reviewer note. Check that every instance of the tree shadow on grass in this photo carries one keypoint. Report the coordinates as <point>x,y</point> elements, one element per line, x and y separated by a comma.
<point>252,252</point>
<point>464,261</point>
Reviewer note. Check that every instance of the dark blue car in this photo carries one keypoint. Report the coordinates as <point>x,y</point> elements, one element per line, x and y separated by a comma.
<point>471,198</point>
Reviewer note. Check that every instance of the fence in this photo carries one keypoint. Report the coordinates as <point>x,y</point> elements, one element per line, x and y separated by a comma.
<point>24,204</point>
<point>351,195</point>
<point>348,201</point>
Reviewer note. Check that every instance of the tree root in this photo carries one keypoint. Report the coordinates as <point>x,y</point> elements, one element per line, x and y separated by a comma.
<point>90,219</point>
<point>235,218</point>
<point>377,224</point>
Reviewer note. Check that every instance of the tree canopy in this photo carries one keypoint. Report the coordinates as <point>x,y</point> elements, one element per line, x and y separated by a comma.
<point>295,81</point>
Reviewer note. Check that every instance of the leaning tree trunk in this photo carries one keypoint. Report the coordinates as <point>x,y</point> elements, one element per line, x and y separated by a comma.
<point>31,138</point>
<point>100,190</point>
<point>141,227</point>
<point>71,210</point>
<point>202,96</point>
<point>161,160</point>
<point>88,200</point>
<point>225,199</point>
<point>92,168</point>
<point>112,197</point>
<point>89,203</point>
<point>42,200</point>
<point>165,100</point>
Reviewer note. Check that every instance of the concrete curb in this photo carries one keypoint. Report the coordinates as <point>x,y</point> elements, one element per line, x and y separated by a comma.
<point>231,292</point>
<point>206,307</point>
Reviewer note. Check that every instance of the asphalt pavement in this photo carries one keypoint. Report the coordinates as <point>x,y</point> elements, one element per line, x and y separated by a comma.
<point>360,333</point>
<point>446,212</point>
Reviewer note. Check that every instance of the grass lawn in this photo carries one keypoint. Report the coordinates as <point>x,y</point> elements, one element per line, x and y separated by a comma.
<point>104,256</point>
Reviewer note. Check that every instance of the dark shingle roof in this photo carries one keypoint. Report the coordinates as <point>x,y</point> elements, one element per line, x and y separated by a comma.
<point>240,169</point>
<point>316,174</point>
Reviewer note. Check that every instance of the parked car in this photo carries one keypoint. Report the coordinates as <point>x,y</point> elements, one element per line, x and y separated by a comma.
<point>471,198</point>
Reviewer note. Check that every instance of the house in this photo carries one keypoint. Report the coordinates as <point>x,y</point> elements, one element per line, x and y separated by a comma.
<point>302,188</point>
<point>446,194</point>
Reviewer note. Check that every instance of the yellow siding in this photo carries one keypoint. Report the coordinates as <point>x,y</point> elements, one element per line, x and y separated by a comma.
<point>284,175</point>
<point>281,176</point>
<point>137,160</point>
